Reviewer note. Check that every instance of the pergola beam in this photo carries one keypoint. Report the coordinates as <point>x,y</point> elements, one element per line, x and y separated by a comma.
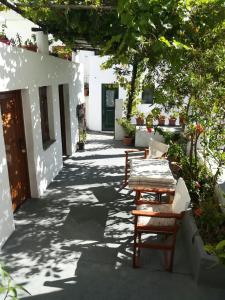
<point>18,6</point>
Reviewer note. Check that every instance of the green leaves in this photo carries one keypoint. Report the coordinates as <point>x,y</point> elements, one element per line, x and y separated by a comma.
<point>165,41</point>
<point>7,285</point>
<point>218,250</point>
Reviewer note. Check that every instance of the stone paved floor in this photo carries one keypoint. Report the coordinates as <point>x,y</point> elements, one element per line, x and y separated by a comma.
<point>75,242</point>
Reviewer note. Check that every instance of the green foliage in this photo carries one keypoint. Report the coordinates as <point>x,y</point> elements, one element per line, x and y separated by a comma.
<point>127,126</point>
<point>139,114</point>
<point>218,250</point>
<point>82,135</point>
<point>62,52</point>
<point>210,221</point>
<point>8,287</point>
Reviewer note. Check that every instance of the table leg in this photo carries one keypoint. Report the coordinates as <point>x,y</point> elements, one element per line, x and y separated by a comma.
<point>137,197</point>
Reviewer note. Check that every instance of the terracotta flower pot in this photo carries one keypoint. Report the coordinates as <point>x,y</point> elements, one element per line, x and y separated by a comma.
<point>4,40</point>
<point>30,47</point>
<point>128,141</point>
<point>172,122</point>
<point>161,122</point>
<point>150,129</point>
<point>140,121</point>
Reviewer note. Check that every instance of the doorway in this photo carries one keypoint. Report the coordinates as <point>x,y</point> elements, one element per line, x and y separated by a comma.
<point>109,94</point>
<point>15,146</point>
<point>62,119</point>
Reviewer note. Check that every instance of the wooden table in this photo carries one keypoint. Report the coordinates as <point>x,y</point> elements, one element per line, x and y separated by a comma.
<point>151,175</point>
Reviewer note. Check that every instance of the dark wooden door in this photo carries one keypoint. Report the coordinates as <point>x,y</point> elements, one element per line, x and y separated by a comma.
<point>62,119</point>
<point>109,94</point>
<point>15,145</point>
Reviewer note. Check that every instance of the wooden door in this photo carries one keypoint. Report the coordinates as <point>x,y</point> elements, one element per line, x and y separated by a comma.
<point>15,145</point>
<point>62,119</point>
<point>109,94</point>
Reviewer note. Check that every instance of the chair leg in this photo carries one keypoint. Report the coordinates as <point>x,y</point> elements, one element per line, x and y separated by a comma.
<point>139,249</point>
<point>126,169</point>
<point>169,254</point>
<point>135,252</point>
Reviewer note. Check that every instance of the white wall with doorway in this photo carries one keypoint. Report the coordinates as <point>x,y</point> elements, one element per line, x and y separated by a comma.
<point>25,70</point>
<point>96,76</point>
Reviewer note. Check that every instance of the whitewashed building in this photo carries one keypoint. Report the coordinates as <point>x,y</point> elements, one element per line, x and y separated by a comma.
<point>103,90</point>
<point>39,94</point>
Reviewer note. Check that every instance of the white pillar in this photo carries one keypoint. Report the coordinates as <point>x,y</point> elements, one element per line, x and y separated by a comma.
<point>75,57</point>
<point>42,42</point>
<point>119,131</point>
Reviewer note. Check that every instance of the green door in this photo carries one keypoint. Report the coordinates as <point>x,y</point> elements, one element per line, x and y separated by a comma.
<point>109,94</point>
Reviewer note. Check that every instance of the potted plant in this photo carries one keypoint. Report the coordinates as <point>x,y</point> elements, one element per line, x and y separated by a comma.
<point>172,119</point>
<point>182,119</point>
<point>3,37</point>
<point>140,118</point>
<point>30,44</point>
<point>161,120</point>
<point>82,139</point>
<point>62,52</point>
<point>149,122</point>
<point>86,89</point>
<point>129,131</point>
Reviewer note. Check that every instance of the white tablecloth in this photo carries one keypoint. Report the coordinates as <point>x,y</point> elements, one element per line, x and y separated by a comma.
<point>152,173</point>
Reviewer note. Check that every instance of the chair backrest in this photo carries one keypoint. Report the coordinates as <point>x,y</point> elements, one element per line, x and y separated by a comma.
<point>182,198</point>
<point>157,149</point>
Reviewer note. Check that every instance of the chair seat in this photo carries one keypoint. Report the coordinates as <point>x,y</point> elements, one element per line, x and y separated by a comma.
<point>154,221</point>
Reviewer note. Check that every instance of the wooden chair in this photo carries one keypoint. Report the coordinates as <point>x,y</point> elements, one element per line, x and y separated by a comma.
<point>156,150</point>
<point>163,219</point>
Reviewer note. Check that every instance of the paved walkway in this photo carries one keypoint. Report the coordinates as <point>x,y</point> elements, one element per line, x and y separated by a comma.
<point>75,242</point>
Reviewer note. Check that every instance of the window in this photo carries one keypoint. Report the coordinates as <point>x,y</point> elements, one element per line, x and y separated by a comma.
<point>46,140</point>
<point>147,96</point>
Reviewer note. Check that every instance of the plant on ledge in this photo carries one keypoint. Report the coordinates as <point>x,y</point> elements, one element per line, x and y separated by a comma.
<point>30,44</point>
<point>140,118</point>
<point>3,37</point>
<point>62,52</point>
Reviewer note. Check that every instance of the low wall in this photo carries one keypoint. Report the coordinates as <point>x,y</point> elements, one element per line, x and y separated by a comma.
<point>206,268</point>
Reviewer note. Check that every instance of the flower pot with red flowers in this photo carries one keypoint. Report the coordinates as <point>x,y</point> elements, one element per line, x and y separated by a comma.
<point>3,37</point>
<point>161,120</point>
<point>140,118</point>
<point>198,128</point>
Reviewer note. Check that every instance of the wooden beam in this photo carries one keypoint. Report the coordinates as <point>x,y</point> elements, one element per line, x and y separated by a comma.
<point>11,6</point>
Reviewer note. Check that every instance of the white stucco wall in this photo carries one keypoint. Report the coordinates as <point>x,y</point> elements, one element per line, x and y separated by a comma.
<point>16,24</point>
<point>25,70</point>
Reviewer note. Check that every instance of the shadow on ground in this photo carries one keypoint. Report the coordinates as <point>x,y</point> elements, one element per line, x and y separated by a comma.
<point>76,241</point>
